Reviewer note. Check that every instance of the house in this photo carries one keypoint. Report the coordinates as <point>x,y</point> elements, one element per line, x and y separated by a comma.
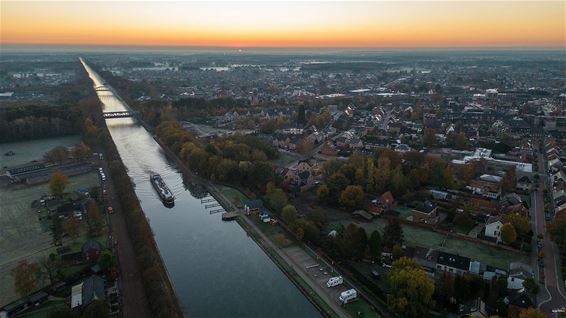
<point>451,263</point>
<point>253,206</point>
<point>265,216</point>
<point>85,293</point>
<point>493,227</point>
<point>518,273</point>
<point>473,308</point>
<point>488,189</point>
<point>15,307</point>
<point>425,212</point>
<point>518,301</point>
<point>90,251</point>
<point>387,200</point>
<point>328,150</point>
<point>524,184</point>
<point>37,298</point>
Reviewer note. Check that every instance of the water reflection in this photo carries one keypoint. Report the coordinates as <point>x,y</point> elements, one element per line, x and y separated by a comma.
<point>216,268</point>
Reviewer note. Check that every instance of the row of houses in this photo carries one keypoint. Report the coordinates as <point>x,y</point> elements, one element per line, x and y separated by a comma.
<point>555,162</point>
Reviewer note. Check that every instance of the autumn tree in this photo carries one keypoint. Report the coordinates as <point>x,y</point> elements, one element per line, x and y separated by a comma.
<point>25,277</point>
<point>520,222</point>
<point>509,181</point>
<point>460,140</point>
<point>94,217</point>
<point>82,151</point>
<point>411,289</point>
<point>322,193</point>
<point>289,214</point>
<point>508,233</point>
<point>352,197</point>
<point>375,245</point>
<point>58,154</point>
<point>531,313</point>
<point>277,200</point>
<point>429,138</point>
<point>337,182</point>
<point>72,227</point>
<point>57,183</point>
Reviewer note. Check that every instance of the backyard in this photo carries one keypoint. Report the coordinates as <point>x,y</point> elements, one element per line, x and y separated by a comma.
<point>416,236</point>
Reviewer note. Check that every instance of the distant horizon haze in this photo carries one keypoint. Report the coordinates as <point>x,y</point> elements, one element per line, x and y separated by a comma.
<point>295,24</point>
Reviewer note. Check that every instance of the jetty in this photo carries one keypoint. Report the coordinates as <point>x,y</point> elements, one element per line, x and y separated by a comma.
<point>229,216</point>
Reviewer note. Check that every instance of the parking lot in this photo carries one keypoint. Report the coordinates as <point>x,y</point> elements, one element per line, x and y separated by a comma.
<point>317,271</point>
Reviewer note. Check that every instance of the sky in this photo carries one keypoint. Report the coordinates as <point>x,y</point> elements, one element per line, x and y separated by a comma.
<point>336,24</point>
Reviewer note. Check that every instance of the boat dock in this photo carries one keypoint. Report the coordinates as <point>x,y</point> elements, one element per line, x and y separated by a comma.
<point>229,216</point>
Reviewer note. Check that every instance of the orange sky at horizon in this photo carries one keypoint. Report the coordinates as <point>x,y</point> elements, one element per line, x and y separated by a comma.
<point>384,24</point>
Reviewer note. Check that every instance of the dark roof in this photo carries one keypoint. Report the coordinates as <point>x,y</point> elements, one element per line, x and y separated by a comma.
<point>304,175</point>
<point>91,244</point>
<point>424,207</point>
<point>520,299</point>
<point>93,289</point>
<point>38,297</point>
<point>254,204</point>
<point>455,261</point>
<point>524,179</point>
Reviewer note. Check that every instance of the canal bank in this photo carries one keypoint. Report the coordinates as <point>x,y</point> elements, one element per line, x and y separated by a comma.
<point>216,268</point>
<point>261,240</point>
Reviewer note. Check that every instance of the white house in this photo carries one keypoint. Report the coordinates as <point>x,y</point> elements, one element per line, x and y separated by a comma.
<point>518,273</point>
<point>493,228</point>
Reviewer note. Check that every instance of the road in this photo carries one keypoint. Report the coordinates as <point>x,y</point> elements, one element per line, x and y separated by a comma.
<point>133,299</point>
<point>552,295</point>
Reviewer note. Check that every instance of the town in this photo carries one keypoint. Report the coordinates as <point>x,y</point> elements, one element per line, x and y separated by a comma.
<point>429,184</point>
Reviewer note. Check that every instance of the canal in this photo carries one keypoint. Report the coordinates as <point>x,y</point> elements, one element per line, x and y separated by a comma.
<point>216,269</point>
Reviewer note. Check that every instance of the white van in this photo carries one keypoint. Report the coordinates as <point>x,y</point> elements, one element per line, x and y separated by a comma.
<point>348,296</point>
<point>334,281</point>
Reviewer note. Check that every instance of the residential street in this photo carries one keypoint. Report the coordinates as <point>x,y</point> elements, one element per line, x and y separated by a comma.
<point>133,298</point>
<point>552,296</point>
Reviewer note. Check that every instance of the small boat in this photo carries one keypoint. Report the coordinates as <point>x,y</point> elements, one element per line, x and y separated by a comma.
<point>10,153</point>
<point>162,189</point>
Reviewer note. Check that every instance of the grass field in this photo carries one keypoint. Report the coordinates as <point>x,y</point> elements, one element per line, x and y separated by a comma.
<point>361,308</point>
<point>22,234</point>
<point>416,236</point>
<point>285,158</point>
<point>233,194</point>
<point>27,151</point>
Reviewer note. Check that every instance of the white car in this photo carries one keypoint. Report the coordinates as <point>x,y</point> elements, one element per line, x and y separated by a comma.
<point>335,281</point>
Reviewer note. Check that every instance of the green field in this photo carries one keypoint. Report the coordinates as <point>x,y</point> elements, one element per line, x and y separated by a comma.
<point>27,151</point>
<point>286,158</point>
<point>360,308</point>
<point>416,236</point>
<point>233,194</point>
<point>22,234</point>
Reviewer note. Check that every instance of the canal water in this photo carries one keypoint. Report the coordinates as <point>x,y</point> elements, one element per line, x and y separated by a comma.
<point>217,270</point>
